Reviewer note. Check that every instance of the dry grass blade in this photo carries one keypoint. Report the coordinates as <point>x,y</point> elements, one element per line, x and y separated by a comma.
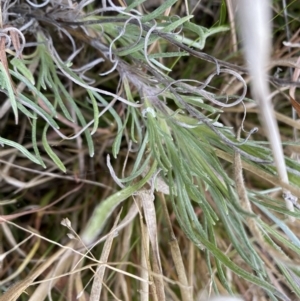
<point>145,264</point>
<point>148,84</point>
<point>99,274</point>
<point>257,44</point>
<point>147,201</point>
<point>146,271</point>
<point>4,218</point>
<point>243,197</point>
<point>15,291</point>
<point>24,263</point>
<point>15,246</point>
<point>63,257</point>
<point>294,102</point>
<point>186,290</point>
<point>261,174</point>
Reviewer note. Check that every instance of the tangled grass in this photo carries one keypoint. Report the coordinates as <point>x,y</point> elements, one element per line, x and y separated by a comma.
<point>134,165</point>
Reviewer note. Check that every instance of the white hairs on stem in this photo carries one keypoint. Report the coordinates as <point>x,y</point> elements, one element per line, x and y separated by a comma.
<point>38,5</point>
<point>59,64</point>
<point>111,54</point>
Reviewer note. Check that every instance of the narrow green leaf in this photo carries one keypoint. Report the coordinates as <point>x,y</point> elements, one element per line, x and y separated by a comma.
<point>161,66</point>
<point>77,110</point>
<point>57,94</point>
<point>34,142</point>
<point>25,111</point>
<point>134,4</point>
<point>19,64</point>
<point>241,272</point>
<point>291,277</point>
<point>33,106</point>
<point>50,152</point>
<point>87,133</point>
<point>223,13</point>
<point>103,211</point>
<point>199,30</point>
<point>140,46</point>
<point>95,111</point>
<point>214,30</point>
<point>21,148</point>
<point>159,11</point>
<point>283,226</point>
<point>5,80</point>
<point>133,175</point>
<point>167,54</point>
<point>117,141</point>
<point>34,90</point>
<point>140,155</point>
<point>175,24</point>
<point>203,32</point>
